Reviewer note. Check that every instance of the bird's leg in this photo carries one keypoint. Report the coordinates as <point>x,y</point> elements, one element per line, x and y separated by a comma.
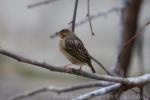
<point>66,67</point>
<point>80,67</point>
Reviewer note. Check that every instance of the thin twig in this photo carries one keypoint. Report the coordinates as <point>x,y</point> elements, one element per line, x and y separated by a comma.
<point>109,89</point>
<point>89,18</point>
<point>74,16</point>
<point>41,3</point>
<point>140,31</point>
<point>141,93</point>
<point>132,38</point>
<point>83,21</point>
<point>99,14</point>
<point>61,69</point>
<point>29,94</point>
<point>60,90</point>
<point>137,92</point>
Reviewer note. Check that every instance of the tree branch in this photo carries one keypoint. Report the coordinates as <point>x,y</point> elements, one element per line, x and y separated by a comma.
<point>99,14</point>
<point>89,18</point>
<point>134,82</point>
<point>141,93</point>
<point>99,92</point>
<point>59,69</point>
<point>129,81</point>
<point>136,34</point>
<point>41,3</point>
<point>74,16</point>
<point>114,9</point>
<point>60,90</point>
<point>107,88</point>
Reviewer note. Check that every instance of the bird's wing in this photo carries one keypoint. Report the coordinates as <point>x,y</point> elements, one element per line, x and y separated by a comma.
<point>75,47</point>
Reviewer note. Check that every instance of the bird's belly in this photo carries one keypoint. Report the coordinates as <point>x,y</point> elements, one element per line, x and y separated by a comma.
<point>71,58</point>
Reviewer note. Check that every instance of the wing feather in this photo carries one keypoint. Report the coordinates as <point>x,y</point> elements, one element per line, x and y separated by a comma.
<point>75,47</point>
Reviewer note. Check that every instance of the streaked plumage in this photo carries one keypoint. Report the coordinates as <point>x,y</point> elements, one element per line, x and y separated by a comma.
<point>73,49</point>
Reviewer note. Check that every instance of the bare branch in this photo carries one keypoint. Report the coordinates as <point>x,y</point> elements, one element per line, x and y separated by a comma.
<point>141,93</point>
<point>100,14</point>
<point>144,96</point>
<point>99,92</point>
<point>136,34</point>
<point>134,82</point>
<point>130,81</point>
<point>89,18</point>
<point>30,93</point>
<point>60,90</point>
<point>60,69</point>
<point>74,16</point>
<point>108,87</point>
<point>41,3</point>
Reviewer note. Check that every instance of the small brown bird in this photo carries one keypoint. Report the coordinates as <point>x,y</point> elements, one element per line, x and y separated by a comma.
<point>73,49</point>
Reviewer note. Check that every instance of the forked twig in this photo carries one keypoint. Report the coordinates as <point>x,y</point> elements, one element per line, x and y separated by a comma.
<point>60,90</point>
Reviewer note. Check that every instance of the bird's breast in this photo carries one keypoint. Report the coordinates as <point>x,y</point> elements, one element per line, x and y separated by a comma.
<point>67,55</point>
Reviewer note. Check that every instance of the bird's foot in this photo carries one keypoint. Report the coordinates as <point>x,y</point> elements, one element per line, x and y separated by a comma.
<point>66,67</point>
<point>80,69</point>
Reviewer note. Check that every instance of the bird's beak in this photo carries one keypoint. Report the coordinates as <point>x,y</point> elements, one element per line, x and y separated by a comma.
<point>54,35</point>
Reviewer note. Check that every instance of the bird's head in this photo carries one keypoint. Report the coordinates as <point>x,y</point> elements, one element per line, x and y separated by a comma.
<point>63,33</point>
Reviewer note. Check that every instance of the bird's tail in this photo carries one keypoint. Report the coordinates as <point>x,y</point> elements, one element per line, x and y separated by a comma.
<point>99,63</point>
<point>91,67</point>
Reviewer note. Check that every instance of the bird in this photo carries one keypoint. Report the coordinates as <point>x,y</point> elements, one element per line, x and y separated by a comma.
<point>73,49</point>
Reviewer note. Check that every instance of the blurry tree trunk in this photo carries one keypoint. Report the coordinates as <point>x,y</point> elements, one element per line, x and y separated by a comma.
<point>129,21</point>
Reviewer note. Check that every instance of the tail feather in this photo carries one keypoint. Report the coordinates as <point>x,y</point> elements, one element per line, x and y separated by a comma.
<point>99,63</point>
<point>91,67</point>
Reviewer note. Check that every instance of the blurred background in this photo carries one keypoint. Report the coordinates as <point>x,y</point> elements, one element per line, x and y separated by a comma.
<point>26,32</point>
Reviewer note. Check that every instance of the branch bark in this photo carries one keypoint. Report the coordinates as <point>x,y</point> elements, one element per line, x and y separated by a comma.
<point>60,69</point>
<point>41,3</point>
<point>130,82</point>
<point>60,90</point>
<point>99,14</point>
<point>74,16</point>
<point>135,82</point>
<point>99,92</point>
<point>108,88</point>
<point>127,81</point>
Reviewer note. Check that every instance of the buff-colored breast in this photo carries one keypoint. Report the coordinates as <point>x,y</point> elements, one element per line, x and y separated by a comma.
<point>72,59</point>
